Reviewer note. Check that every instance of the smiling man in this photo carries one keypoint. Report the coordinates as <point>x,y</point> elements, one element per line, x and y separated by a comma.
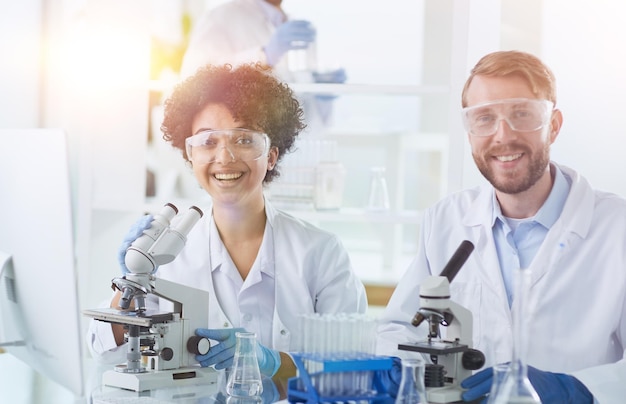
<point>537,215</point>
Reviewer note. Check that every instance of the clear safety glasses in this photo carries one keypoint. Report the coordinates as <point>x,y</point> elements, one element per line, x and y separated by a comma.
<point>235,144</point>
<point>521,114</point>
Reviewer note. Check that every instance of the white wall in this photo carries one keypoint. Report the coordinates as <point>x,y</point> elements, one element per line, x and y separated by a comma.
<point>583,42</point>
<point>20,77</point>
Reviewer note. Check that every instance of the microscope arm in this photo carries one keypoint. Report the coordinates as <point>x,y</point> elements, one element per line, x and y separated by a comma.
<point>192,304</point>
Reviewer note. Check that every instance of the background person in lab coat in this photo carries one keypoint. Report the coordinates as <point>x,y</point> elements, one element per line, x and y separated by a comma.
<point>262,267</point>
<point>536,214</point>
<point>244,31</point>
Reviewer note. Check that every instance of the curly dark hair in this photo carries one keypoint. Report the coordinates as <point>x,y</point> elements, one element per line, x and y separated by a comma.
<point>252,95</point>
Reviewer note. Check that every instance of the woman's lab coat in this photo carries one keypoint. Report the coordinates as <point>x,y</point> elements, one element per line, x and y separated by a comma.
<point>313,274</point>
<point>577,298</point>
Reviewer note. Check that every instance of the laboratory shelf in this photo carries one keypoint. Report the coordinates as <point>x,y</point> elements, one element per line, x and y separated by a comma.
<point>359,215</point>
<point>368,89</point>
<point>346,215</point>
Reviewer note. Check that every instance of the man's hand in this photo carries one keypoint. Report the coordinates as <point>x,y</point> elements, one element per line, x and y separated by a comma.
<point>551,387</point>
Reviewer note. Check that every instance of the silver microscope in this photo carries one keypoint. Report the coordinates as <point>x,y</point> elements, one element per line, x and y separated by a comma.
<point>161,343</point>
<point>452,359</point>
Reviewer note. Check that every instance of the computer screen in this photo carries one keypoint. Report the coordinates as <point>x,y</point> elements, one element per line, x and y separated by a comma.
<point>39,311</point>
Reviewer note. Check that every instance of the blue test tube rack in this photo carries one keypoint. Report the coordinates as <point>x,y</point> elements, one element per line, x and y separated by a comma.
<point>302,390</point>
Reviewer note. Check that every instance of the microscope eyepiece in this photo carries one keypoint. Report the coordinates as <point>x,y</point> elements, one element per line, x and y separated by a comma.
<point>457,260</point>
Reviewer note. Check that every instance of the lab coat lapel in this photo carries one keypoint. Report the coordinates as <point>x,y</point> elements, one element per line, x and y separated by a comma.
<point>217,316</point>
<point>479,218</point>
<point>285,292</point>
<point>572,226</point>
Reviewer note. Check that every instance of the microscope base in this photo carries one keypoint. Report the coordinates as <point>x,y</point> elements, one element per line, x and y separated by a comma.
<point>151,380</point>
<point>445,394</point>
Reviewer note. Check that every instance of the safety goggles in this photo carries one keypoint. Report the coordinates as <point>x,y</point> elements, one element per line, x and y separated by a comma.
<point>238,144</point>
<point>521,114</point>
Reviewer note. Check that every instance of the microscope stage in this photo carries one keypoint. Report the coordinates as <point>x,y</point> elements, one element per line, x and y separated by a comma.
<point>434,347</point>
<point>145,319</point>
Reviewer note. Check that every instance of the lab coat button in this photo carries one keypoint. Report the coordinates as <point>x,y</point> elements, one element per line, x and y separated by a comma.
<point>247,317</point>
<point>225,324</point>
<point>283,332</point>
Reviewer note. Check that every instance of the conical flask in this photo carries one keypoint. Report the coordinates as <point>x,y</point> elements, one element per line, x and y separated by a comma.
<point>516,387</point>
<point>412,390</point>
<point>245,377</point>
<point>499,374</point>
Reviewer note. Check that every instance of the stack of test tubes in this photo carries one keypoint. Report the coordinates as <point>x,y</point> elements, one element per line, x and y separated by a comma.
<point>339,339</point>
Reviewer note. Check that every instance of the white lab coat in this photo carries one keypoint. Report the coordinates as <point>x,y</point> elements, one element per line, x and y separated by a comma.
<point>234,32</point>
<point>577,298</point>
<point>312,271</point>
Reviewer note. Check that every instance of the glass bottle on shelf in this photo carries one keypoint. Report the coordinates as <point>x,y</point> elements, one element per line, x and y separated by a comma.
<point>516,387</point>
<point>412,389</point>
<point>245,377</point>
<point>378,200</point>
<point>330,175</point>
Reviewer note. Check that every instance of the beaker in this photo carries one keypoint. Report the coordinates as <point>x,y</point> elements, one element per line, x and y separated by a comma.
<point>245,376</point>
<point>378,196</point>
<point>516,387</point>
<point>302,61</point>
<point>412,389</point>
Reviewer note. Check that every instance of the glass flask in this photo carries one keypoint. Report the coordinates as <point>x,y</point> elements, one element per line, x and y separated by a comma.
<point>379,196</point>
<point>516,387</point>
<point>499,373</point>
<point>245,377</point>
<point>412,389</point>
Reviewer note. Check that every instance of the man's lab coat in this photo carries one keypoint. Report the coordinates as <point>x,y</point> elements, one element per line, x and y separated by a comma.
<point>313,274</point>
<point>577,298</point>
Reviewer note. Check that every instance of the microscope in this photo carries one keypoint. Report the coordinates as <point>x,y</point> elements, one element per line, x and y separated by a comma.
<point>452,358</point>
<point>162,343</point>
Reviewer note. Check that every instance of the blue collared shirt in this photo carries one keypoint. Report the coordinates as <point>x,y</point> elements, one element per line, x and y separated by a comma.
<point>518,240</point>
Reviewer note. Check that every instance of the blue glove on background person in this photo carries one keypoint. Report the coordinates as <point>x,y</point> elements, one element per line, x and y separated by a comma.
<point>222,354</point>
<point>296,34</point>
<point>551,387</point>
<point>133,234</point>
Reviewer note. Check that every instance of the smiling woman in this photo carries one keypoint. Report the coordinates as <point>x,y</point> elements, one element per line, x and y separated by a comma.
<point>262,267</point>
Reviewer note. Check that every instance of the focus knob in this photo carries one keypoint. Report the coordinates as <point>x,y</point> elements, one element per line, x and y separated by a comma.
<point>473,359</point>
<point>167,354</point>
<point>198,345</point>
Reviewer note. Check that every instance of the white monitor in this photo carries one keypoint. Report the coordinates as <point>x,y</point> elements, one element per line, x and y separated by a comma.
<point>39,311</point>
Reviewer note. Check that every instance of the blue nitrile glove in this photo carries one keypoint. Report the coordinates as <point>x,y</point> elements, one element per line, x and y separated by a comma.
<point>222,354</point>
<point>133,234</point>
<point>551,387</point>
<point>296,34</point>
<point>391,378</point>
<point>269,360</point>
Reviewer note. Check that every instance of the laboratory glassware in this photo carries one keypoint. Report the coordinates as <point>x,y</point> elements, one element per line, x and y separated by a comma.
<point>330,175</point>
<point>499,373</point>
<point>412,389</point>
<point>378,196</point>
<point>245,377</point>
<point>302,62</point>
<point>516,387</point>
